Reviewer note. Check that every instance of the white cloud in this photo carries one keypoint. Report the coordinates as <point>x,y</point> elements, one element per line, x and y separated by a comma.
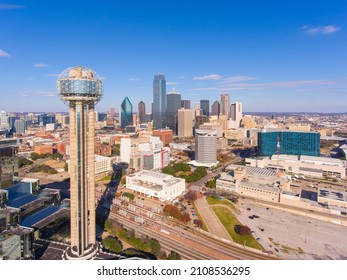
<point>133,79</point>
<point>208,77</point>
<point>171,83</point>
<point>325,30</point>
<point>232,86</point>
<point>10,7</point>
<point>41,65</point>
<point>4,54</point>
<point>237,79</point>
<point>34,93</point>
<point>52,75</point>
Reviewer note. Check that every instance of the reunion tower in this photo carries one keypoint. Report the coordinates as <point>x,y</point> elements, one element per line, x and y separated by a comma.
<point>81,88</point>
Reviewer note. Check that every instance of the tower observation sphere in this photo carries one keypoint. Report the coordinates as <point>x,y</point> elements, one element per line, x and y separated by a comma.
<point>81,88</point>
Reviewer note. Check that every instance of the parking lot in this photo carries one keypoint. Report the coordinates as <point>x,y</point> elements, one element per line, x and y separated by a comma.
<point>292,236</point>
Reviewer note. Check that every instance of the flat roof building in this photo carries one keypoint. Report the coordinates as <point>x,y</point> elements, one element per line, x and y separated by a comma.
<point>156,185</point>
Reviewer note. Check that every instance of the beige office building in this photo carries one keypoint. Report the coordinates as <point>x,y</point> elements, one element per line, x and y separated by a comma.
<point>185,123</point>
<point>224,105</point>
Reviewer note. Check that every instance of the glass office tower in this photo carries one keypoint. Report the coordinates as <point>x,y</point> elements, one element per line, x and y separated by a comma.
<point>159,102</point>
<point>126,113</point>
<point>291,143</point>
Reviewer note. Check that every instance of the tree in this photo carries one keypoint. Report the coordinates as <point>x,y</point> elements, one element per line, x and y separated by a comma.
<point>112,244</point>
<point>185,218</point>
<point>211,184</point>
<point>190,195</point>
<point>155,246</point>
<point>23,162</point>
<point>57,156</point>
<point>34,156</point>
<point>201,170</point>
<point>242,230</point>
<point>123,180</point>
<point>169,170</point>
<point>66,167</point>
<point>172,211</point>
<point>198,223</point>
<point>131,196</point>
<point>174,256</point>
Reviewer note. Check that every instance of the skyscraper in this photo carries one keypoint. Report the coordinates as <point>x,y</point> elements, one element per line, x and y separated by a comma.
<point>20,126</point>
<point>126,113</point>
<point>236,113</point>
<point>173,104</point>
<point>81,88</point>
<point>206,146</point>
<point>142,112</point>
<point>185,123</point>
<point>205,106</point>
<point>112,112</point>
<point>185,104</point>
<point>3,120</point>
<point>159,101</point>
<point>224,104</point>
<point>215,108</point>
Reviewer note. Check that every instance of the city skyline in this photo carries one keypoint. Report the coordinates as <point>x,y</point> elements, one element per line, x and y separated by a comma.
<point>280,57</point>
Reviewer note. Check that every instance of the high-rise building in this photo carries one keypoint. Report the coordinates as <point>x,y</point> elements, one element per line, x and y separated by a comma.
<point>224,104</point>
<point>236,113</point>
<point>185,104</point>
<point>205,106</point>
<point>142,112</point>
<point>8,165</point>
<point>45,119</point>
<point>159,101</point>
<point>20,126</point>
<point>215,110</point>
<point>126,113</point>
<point>81,88</point>
<point>206,146</point>
<point>185,123</point>
<point>112,112</point>
<point>173,104</point>
<point>288,143</point>
<point>3,120</point>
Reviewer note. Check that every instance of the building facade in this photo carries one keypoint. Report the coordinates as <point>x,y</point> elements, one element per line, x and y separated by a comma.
<point>159,102</point>
<point>185,123</point>
<point>205,146</point>
<point>142,112</point>
<point>205,107</point>
<point>126,113</point>
<point>236,113</point>
<point>290,143</point>
<point>224,105</point>
<point>185,104</point>
<point>173,104</point>
<point>8,165</point>
<point>215,109</point>
<point>156,185</point>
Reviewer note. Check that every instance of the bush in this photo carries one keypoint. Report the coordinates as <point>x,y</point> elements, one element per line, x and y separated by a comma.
<point>131,196</point>
<point>185,218</point>
<point>57,156</point>
<point>198,223</point>
<point>242,230</point>
<point>211,184</point>
<point>23,162</point>
<point>172,211</point>
<point>174,256</point>
<point>112,244</point>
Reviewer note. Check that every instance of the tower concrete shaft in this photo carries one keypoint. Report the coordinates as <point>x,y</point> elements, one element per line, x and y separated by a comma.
<point>82,177</point>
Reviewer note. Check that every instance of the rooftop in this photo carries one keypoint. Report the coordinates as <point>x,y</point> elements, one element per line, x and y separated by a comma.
<point>332,194</point>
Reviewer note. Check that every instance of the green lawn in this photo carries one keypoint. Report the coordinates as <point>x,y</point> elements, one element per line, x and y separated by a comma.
<point>229,221</point>
<point>106,178</point>
<point>214,201</point>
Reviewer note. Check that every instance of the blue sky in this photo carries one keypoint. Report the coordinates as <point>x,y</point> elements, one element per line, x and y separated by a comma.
<point>272,56</point>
